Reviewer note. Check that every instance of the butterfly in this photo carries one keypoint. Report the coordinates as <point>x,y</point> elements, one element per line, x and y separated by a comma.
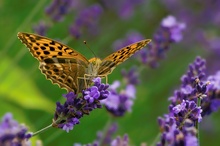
<point>67,67</point>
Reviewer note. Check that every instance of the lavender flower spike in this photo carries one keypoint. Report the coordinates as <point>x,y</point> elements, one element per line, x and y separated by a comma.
<point>67,115</point>
<point>59,8</point>
<point>12,133</point>
<point>175,27</point>
<point>172,135</point>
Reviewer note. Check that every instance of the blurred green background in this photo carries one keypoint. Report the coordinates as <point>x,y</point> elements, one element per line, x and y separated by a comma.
<point>31,98</point>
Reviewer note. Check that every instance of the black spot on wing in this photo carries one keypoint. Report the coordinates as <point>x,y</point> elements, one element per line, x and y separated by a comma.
<point>49,60</point>
<point>41,57</point>
<point>32,39</point>
<point>45,44</point>
<point>46,52</point>
<point>43,48</point>
<point>60,53</point>
<point>52,48</point>
<point>35,48</point>
<point>52,43</point>
<point>60,80</point>
<point>49,72</point>
<point>60,47</point>
<point>55,70</point>
<point>68,80</point>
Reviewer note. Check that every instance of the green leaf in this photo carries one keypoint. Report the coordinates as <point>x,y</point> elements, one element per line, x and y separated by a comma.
<point>17,87</point>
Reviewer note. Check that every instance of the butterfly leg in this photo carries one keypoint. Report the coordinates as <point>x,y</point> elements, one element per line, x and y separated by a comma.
<point>85,78</point>
<point>106,79</point>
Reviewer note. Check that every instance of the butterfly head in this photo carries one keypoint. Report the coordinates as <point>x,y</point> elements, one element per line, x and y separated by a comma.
<point>95,61</point>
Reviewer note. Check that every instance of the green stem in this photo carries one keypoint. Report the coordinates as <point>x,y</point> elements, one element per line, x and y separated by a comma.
<point>42,130</point>
<point>197,122</point>
<point>156,139</point>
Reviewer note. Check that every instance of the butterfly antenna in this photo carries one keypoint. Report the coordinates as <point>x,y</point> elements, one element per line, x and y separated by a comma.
<point>89,48</point>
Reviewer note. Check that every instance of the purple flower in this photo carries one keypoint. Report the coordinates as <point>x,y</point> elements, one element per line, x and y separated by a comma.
<point>196,70</point>
<point>175,28</point>
<point>120,141</point>
<point>172,134</point>
<point>119,103</point>
<point>170,31</point>
<point>131,76</point>
<point>41,28</point>
<point>70,124</point>
<point>186,110</point>
<point>86,20</point>
<point>193,83</point>
<point>212,102</point>
<point>207,14</point>
<point>91,94</point>
<point>67,115</point>
<point>180,107</point>
<point>59,8</point>
<point>12,133</point>
<point>191,140</point>
<point>102,88</point>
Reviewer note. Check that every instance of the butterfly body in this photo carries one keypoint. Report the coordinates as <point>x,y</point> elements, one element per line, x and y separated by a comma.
<point>67,67</point>
<point>94,65</point>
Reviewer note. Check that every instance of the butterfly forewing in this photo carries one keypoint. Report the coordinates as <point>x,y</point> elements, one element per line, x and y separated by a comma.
<point>111,61</point>
<point>58,62</point>
<point>42,47</point>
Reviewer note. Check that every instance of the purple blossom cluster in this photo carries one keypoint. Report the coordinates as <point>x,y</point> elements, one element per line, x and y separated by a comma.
<point>212,102</point>
<point>12,133</point>
<point>120,102</point>
<point>120,141</point>
<point>86,21</point>
<point>178,127</point>
<point>201,23</point>
<point>173,135</point>
<point>196,98</point>
<point>207,14</point>
<point>67,115</point>
<point>122,93</point>
<point>170,31</point>
<point>59,8</point>
<point>193,83</point>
